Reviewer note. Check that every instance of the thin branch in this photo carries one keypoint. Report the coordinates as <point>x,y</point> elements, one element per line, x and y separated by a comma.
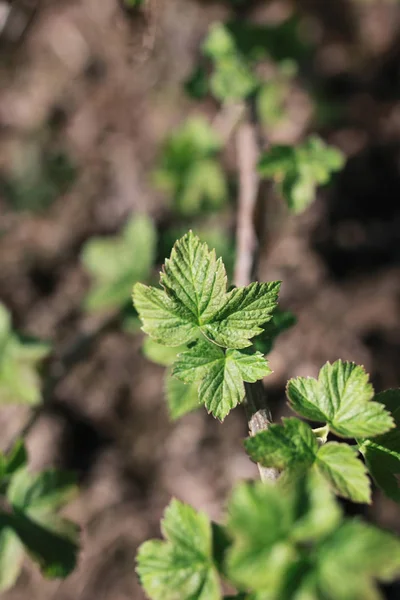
<point>255,403</point>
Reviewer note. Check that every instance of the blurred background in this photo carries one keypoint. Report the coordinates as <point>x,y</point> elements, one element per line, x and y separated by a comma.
<point>95,95</point>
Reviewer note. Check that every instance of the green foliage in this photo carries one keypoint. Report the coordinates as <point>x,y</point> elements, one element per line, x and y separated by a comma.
<point>182,566</point>
<point>29,519</point>
<point>271,96</point>
<point>232,78</point>
<point>213,235</point>
<point>285,541</point>
<point>19,362</point>
<point>182,398</point>
<point>194,306</point>
<point>190,171</point>
<point>194,301</point>
<point>342,398</point>
<point>382,453</point>
<point>293,447</point>
<point>298,171</point>
<point>116,262</point>
<point>221,374</point>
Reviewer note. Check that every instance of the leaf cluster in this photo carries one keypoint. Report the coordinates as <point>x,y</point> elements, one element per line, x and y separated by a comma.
<point>297,171</point>
<point>344,401</point>
<point>284,542</point>
<point>189,170</point>
<point>29,519</point>
<point>20,360</point>
<point>115,262</point>
<point>193,308</point>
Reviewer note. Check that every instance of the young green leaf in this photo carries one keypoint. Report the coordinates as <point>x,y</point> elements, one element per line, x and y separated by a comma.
<point>194,301</point>
<point>221,374</point>
<point>353,557</point>
<point>190,171</point>
<point>19,361</point>
<point>268,523</point>
<point>182,566</point>
<point>382,453</point>
<point>160,354</point>
<point>342,397</point>
<point>299,170</point>
<point>182,398</point>
<point>32,524</point>
<point>293,447</point>
<point>116,262</point>
<point>232,78</point>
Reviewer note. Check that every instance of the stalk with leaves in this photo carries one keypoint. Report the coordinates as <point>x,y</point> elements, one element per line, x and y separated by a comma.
<point>284,540</point>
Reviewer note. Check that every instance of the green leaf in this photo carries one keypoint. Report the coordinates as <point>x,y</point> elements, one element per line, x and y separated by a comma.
<point>11,555</point>
<point>221,374</point>
<point>116,262</point>
<point>181,567</point>
<point>194,301</point>
<point>382,453</point>
<point>31,522</point>
<point>259,521</point>
<point>353,557</point>
<point>232,78</point>
<point>20,359</point>
<point>299,170</point>
<point>342,397</point>
<point>345,472</point>
<point>293,446</point>
<point>270,523</point>
<point>189,169</point>
<point>242,314</point>
<point>160,354</point>
<point>182,398</point>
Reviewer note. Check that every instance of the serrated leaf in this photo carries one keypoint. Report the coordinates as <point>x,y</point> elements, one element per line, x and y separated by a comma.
<point>352,559</point>
<point>346,473</point>
<point>20,359</point>
<point>293,447</point>
<point>299,170</point>
<point>116,262</point>
<point>194,301</point>
<point>181,567</point>
<point>242,313</point>
<point>221,374</point>
<point>342,397</point>
<point>182,398</point>
<point>382,453</point>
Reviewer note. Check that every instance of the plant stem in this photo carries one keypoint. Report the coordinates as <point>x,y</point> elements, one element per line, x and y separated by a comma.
<point>255,402</point>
